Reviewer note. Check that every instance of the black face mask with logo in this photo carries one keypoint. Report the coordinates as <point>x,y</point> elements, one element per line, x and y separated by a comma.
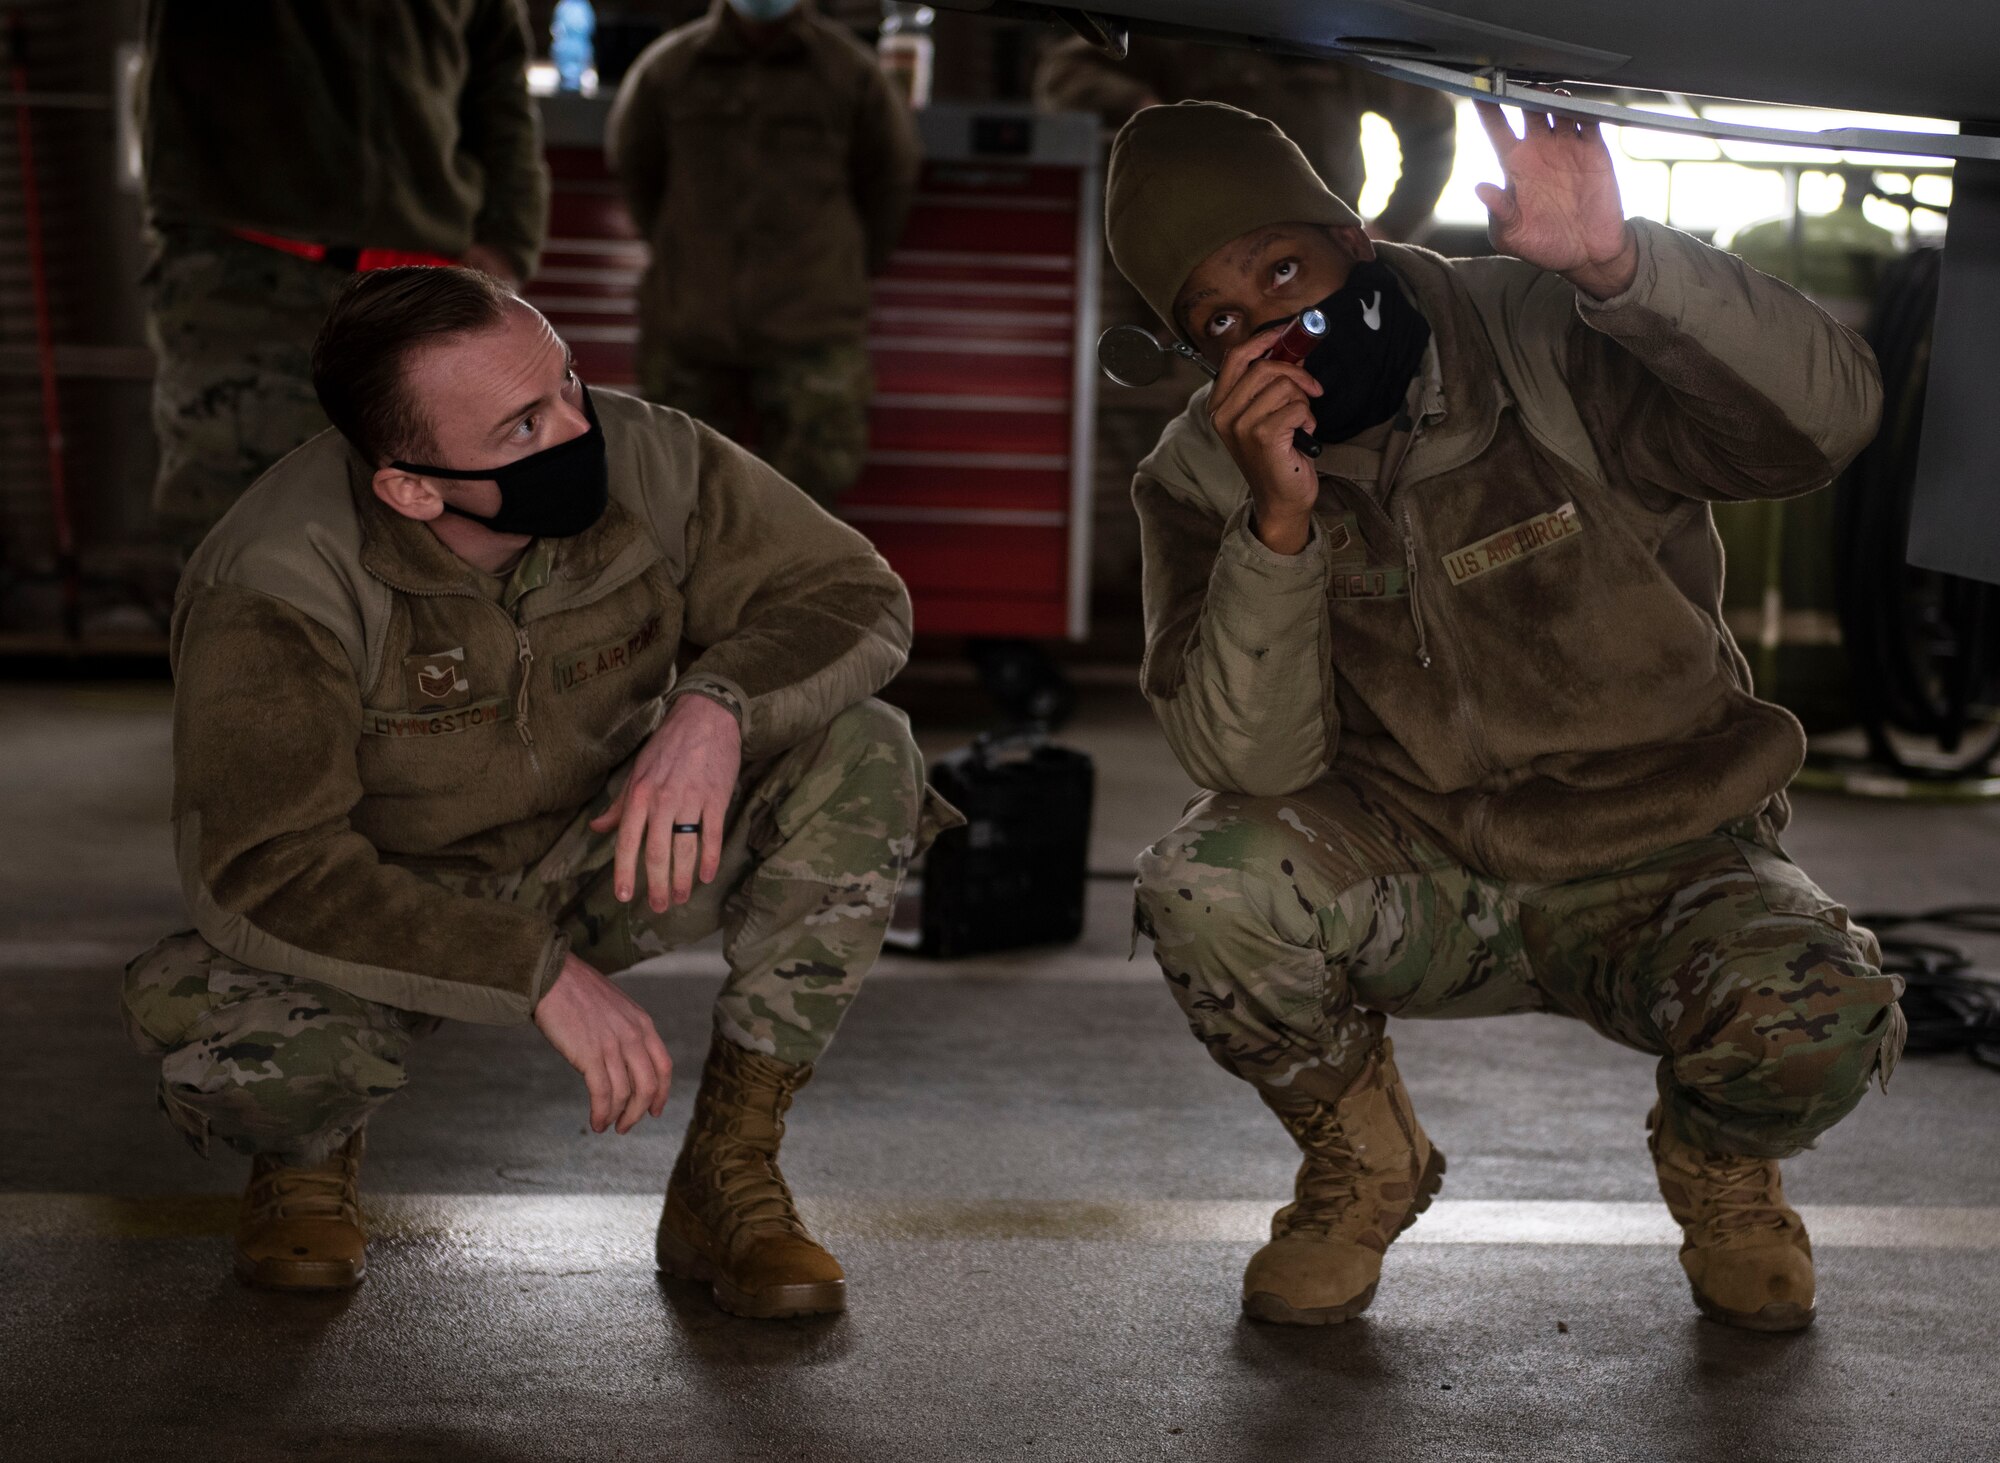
<point>1375,341</point>
<point>555,493</point>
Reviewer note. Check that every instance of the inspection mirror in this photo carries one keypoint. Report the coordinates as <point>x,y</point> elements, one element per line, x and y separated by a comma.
<point>1132,356</point>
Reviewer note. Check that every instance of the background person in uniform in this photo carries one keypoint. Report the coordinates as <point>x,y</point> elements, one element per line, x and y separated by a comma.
<point>1318,104</point>
<point>284,145</point>
<point>433,762</point>
<point>770,165</point>
<point>1475,736</point>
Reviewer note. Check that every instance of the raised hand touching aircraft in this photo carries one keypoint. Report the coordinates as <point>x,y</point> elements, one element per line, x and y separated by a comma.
<point>1560,209</point>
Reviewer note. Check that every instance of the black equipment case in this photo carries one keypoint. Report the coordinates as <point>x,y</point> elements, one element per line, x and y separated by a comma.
<point>1015,874</point>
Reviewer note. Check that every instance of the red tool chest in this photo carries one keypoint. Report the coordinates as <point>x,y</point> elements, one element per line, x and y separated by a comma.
<point>977,485</point>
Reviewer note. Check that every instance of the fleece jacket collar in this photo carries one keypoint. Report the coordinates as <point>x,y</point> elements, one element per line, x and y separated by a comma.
<point>1460,395</point>
<point>408,557</point>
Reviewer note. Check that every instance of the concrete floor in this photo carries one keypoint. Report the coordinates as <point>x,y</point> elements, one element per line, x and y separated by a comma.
<point>1043,1192</point>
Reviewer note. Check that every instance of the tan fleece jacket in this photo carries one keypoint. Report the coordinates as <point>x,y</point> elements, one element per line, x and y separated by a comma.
<point>1521,639</point>
<point>353,707</point>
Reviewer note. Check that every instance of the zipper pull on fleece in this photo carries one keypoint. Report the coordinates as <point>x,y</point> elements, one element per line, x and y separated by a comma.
<point>1410,590</point>
<point>526,655</point>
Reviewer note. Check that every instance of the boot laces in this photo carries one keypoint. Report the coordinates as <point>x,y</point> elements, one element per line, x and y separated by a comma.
<point>1737,1194</point>
<point>747,1183</point>
<point>323,1191</point>
<point>1329,1181</point>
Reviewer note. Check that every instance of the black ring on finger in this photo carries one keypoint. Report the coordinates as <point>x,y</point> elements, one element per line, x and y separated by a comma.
<point>687,828</point>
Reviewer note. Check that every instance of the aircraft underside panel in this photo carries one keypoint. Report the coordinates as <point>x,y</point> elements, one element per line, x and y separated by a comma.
<point>1955,514</point>
<point>1921,58</point>
<point>1924,58</point>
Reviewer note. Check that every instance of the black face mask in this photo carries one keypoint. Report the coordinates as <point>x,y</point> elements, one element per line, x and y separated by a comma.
<point>1375,341</point>
<point>555,493</point>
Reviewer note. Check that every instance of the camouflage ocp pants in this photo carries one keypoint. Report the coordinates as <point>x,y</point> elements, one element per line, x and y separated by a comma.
<point>816,845</point>
<point>231,325</point>
<point>1290,928</point>
<point>808,408</point>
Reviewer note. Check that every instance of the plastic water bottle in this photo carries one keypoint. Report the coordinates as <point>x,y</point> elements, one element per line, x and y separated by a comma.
<point>569,43</point>
<point>906,49</point>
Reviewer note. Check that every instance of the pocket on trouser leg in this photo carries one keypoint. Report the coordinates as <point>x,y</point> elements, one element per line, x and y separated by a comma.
<point>797,961</point>
<point>1890,1051</point>
<point>849,800</point>
<point>285,1067</point>
<point>1781,1027</point>
<point>166,991</point>
<point>935,814</point>
<point>1786,889</point>
<point>798,949</point>
<point>188,1120</point>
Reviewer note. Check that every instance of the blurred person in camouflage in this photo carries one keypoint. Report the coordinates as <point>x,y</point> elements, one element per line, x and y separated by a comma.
<point>770,165</point>
<point>433,761</point>
<point>284,146</point>
<point>1318,104</point>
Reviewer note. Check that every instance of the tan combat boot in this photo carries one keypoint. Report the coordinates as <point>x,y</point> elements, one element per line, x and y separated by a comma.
<point>1369,1171</point>
<point>300,1225</point>
<point>1746,1253</point>
<point>729,1219</point>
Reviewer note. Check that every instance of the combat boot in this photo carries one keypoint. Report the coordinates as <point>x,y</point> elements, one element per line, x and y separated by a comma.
<point>1369,1171</point>
<point>1746,1253</point>
<point>729,1219</point>
<point>300,1225</point>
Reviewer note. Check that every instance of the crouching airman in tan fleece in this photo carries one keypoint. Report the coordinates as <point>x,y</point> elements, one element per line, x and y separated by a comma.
<point>433,762</point>
<point>1475,738</point>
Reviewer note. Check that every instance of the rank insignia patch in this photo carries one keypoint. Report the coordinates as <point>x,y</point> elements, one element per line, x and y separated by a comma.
<point>436,682</point>
<point>1343,540</point>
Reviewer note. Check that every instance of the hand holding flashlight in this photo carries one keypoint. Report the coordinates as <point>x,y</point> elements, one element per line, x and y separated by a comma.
<point>1262,410</point>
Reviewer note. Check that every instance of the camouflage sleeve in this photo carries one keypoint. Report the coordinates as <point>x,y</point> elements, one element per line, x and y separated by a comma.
<point>883,166</point>
<point>1707,379</point>
<point>267,716</point>
<point>796,616</point>
<point>635,143</point>
<point>1238,665</point>
<point>1426,125</point>
<point>501,127</point>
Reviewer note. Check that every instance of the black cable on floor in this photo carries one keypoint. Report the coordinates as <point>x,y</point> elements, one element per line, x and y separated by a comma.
<point>1949,1005</point>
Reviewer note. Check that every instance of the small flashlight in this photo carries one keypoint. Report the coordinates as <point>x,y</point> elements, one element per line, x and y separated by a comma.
<point>1294,343</point>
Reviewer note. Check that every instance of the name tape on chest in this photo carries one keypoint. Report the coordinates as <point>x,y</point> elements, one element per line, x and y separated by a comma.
<point>1382,583</point>
<point>1497,550</point>
<point>435,723</point>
